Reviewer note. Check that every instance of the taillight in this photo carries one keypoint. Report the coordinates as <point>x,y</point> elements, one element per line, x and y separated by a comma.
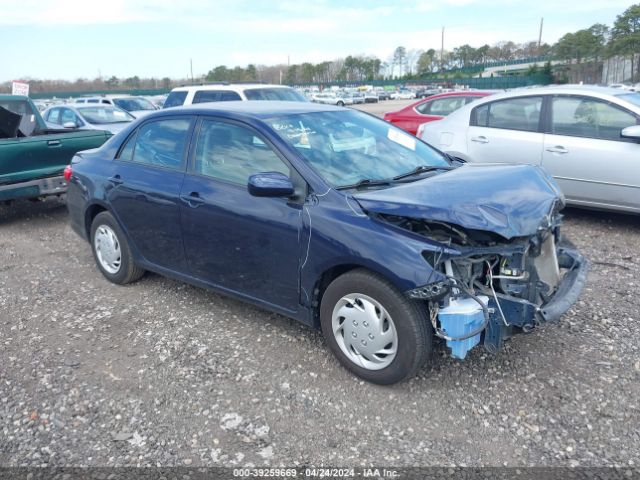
<point>67,173</point>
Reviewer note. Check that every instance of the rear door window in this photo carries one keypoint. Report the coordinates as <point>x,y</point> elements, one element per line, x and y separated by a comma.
<point>203,96</point>
<point>284,94</point>
<point>175,99</point>
<point>229,96</point>
<point>521,113</point>
<point>161,143</point>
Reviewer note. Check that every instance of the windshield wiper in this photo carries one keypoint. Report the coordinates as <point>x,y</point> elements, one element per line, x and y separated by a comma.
<point>365,182</point>
<point>422,169</point>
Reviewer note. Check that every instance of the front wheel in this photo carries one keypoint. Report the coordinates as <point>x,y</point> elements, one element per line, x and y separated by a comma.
<point>374,330</point>
<point>340,103</point>
<point>111,250</point>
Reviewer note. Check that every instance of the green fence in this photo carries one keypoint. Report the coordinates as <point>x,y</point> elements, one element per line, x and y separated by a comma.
<point>484,83</point>
<point>497,83</point>
<point>154,91</point>
<point>490,83</point>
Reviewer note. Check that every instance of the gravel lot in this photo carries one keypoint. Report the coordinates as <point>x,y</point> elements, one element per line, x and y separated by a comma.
<point>162,373</point>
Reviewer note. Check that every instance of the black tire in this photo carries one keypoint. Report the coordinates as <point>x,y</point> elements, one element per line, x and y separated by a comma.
<point>415,334</point>
<point>340,103</point>
<point>128,271</point>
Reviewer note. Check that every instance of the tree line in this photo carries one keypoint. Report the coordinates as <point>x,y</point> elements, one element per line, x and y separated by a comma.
<point>591,44</point>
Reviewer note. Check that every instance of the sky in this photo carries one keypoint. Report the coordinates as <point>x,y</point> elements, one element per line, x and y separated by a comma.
<point>69,39</point>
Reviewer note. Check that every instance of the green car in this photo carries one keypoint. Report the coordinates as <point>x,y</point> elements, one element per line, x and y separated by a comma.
<point>33,156</point>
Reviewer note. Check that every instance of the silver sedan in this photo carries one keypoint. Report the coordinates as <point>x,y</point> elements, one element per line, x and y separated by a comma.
<point>587,137</point>
<point>88,117</point>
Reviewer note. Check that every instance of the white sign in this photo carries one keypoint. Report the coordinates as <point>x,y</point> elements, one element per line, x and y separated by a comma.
<point>405,140</point>
<point>20,88</point>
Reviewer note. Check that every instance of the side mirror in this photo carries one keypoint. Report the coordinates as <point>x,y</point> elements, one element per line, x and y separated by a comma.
<point>69,125</point>
<point>631,132</point>
<point>270,184</point>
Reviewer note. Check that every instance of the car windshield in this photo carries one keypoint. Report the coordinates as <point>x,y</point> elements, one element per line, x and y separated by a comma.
<point>631,97</point>
<point>134,104</point>
<point>100,115</point>
<point>347,147</point>
<point>284,94</point>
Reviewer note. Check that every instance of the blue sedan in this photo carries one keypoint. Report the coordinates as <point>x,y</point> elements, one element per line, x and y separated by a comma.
<point>332,217</point>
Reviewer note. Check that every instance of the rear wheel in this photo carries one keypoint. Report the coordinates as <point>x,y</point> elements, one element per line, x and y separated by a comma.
<point>111,250</point>
<point>340,103</point>
<point>374,330</point>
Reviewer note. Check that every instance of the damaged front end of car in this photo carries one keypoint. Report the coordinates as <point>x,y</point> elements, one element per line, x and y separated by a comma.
<point>493,288</point>
<point>491,282</point>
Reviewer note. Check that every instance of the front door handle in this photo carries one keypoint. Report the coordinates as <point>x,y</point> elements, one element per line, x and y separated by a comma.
<point>116,180</point>
<point>193,199</point>
<point>557,149</point>
<point>54,143</point>
<point>480,139</point>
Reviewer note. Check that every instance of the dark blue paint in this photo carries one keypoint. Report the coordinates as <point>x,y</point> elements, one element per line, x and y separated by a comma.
<point>146,203</point>
<point>270,184</point>
<point>274,251</point>
<point>244,243</point>
<point>510,200</point>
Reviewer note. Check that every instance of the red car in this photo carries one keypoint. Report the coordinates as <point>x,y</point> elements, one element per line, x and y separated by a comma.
<point>431,108</point>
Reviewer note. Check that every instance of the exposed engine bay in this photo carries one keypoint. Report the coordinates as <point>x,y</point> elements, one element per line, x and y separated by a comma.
<point>485,285</point>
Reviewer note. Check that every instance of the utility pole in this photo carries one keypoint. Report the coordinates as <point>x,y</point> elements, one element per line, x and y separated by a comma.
<point>540,35</point>
<point>442,51</point>
<point>191,68</point>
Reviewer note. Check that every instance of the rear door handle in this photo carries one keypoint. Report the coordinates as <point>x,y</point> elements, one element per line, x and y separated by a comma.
<point>480,139</point>
<point>557,149</point>
<point>116,180</point>
<point>54,143</point>
<point>193,199</point>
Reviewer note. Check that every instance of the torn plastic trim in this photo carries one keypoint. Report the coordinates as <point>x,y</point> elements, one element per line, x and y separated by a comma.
<point>570,287</point>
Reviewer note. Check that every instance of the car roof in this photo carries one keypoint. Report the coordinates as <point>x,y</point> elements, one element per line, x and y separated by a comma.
<point>84,106</point>
<point>110,96</point>
<point>254,108</point>
<point>228,86</point>
<point>592,90</point>
<point>458,93</point>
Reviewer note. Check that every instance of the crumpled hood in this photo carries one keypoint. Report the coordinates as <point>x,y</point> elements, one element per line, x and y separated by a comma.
<point>510,200</point>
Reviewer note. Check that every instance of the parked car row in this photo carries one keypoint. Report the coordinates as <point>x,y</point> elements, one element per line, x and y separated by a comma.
<point>135,105</point>
<point>88,116</point>
<point>432,108</point>
<point>333,98</point>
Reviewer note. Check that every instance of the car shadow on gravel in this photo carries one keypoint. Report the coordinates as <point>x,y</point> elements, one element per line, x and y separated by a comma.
<point>583,216</point>
<point>51,208</point>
